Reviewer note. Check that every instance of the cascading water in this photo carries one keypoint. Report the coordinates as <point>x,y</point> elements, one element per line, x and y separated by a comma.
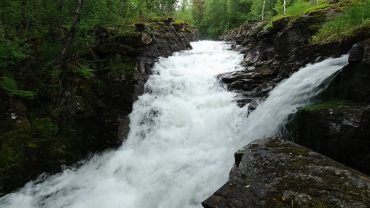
<point>184,132</point>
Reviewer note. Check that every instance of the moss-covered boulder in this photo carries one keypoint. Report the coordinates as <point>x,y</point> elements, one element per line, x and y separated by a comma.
<point>145,39</point>
<point>273,173</point>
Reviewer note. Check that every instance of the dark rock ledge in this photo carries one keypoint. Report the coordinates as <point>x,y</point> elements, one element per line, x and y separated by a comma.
<point>273,173</point>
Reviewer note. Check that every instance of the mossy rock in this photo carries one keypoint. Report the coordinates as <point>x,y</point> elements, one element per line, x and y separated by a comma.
<point>23,152</point>
<point>275,173</point>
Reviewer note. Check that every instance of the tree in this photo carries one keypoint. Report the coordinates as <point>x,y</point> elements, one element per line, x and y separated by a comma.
<point>71,33</point>
<point>263,10</point>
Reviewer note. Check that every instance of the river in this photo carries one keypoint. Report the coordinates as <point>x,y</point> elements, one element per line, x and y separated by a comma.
<point>183,133</point>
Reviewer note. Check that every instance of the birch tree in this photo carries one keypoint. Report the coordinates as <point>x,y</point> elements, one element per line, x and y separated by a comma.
<point>263,10</point>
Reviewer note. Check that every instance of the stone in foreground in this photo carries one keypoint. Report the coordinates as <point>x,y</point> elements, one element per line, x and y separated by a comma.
<point>272,173</point>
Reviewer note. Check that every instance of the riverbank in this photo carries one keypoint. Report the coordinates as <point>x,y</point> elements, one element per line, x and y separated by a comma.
<point>51,118</point>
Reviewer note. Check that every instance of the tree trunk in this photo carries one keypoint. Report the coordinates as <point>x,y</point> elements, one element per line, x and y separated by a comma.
<point>316,2</point>
<point>263,10</point>
<point>71,33</point>
<point>284,7</point>
<point>23,23</point>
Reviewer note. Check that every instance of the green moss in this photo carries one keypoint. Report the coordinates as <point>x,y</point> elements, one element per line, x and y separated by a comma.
<point>318,8</point>
<point>296,176</point>
<point>331,104</point>
<point>276,20</point>
<point>287,148</point>
<point>16,146</point>
<point>178,22</point>
<point>44,126</point>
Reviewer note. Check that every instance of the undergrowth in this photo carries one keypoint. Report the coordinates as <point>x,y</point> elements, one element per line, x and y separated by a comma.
<point>353,19</point>
<point>10,86</point>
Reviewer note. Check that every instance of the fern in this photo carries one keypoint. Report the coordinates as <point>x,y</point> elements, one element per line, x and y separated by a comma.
<point>9,85</point>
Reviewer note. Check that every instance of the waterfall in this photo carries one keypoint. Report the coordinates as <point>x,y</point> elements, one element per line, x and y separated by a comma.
<point>183,133</point>
<point>289,96</point>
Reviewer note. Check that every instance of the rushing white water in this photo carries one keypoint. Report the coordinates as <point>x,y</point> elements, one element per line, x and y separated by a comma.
<point>184,132</point>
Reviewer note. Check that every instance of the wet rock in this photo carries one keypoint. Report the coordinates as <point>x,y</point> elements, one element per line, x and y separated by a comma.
<point>356,53</point>
<point>274,173</point>
<point>338,125</point>
<point>272,53</point>
<point>352,83</point>
<point>337,129</point>
<point>366,55</point>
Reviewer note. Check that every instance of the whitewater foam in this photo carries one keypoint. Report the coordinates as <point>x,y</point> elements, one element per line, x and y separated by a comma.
<point>183,133</point>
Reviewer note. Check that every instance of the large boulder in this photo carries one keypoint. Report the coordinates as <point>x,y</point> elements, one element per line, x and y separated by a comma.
<point>273,173</point>
<point>337,129</point>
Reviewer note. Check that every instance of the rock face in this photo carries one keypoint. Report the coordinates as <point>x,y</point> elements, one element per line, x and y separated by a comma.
<point>338,126</point>
<point>273,173</point>
<point>272,53</point>
<point>337,129</point>
<point>353,82</point>
<point>87,112</point>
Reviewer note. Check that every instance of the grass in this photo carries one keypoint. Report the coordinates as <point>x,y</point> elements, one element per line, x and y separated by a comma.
<point>353,19</point>
<point>297,9</point>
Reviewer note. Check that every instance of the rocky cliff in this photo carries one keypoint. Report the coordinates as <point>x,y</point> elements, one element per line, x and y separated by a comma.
<point>338,124</point>
<point>277,173</point>
<point>83,109</point>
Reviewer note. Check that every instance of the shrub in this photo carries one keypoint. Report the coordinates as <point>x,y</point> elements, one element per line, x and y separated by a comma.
<point>12,52</point>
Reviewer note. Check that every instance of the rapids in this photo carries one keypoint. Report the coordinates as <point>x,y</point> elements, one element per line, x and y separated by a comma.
<point>183,133</point>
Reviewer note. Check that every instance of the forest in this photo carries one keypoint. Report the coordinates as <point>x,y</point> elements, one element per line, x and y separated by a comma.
<point>65,24</point>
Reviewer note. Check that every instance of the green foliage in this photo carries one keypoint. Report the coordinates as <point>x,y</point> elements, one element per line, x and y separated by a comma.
<point>12,52</point>
<point>11,88</point>
<point>185,12</point>
<point>354,19</point>
<point>214,17</point>
<point>84,71</point>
